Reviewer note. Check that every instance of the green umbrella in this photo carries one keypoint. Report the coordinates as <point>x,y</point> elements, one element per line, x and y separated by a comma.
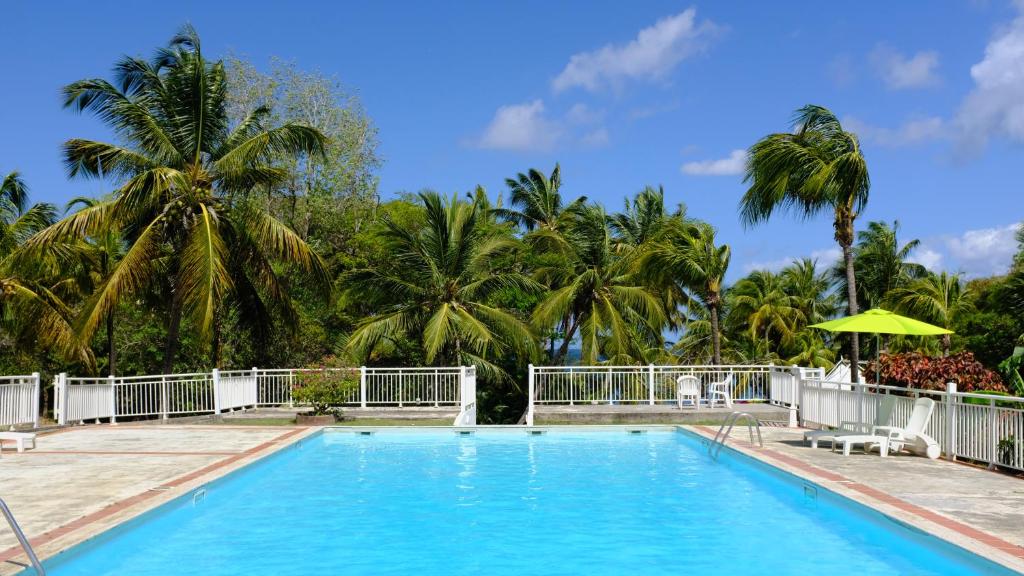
<point>879,321</point>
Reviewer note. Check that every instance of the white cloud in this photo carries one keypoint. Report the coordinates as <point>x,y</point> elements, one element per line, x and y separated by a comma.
<point>995,107</point>
<point>732,164</point>
<point>927,257</point>
<point>654,52</point>
<point>984,252</point>
<point>913,131</point>
<point>528,127</point>
<point>901,72</point>
<point>827,257</point>
<point>596,138</point>
<point>520,127</point>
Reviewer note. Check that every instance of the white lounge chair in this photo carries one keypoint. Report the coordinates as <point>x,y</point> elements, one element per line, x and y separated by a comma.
<point>883,417</point>
<point>688,388</point>
<point>19,438</point>
<point>721,390</point>
<point>893,438</point>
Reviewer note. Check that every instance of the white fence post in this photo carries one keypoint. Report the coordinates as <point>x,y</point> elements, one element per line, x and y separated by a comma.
<point>794,399</point>
<point>993,432</point>
<point>650,384</point>
<point>35,399</point>
<point>215,376</point>
<point>951,420</point>
<point>62,385</point>
<point>255,387</point>
<point>164,410</point>
<point>113,400</point>
<point>362,386</point>
<point>532,391</point>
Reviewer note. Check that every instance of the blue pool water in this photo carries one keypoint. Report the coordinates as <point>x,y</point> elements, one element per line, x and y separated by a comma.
<point>506,503</point>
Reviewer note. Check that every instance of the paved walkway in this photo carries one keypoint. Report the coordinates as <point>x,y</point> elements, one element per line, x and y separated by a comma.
<point>966,503</point>
<point>75,481</point>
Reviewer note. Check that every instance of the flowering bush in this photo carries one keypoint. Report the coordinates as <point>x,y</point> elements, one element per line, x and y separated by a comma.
<point>914,370</point>
<point>324,390</point>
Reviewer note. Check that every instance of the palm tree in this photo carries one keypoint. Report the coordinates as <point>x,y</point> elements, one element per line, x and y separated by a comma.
<point>936,298</point>
<point>539,201</point>
<point>437,288</point>
<point>881,263</point>
<point>183,175</point>
<point>817,168</point>
<point>643,219</point>
<point>689,253</point>
<point>760,303</point>
<point>595,292</point>
<point>30,308</point>
<point>101,251</point>
<point>812,290</point>
<point>812,352</point>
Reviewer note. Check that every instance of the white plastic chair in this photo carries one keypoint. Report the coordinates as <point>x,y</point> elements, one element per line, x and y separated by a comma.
<point>909,434</point>
<point>883,417</point>
<point>688,387</point>
<point>721,390</point>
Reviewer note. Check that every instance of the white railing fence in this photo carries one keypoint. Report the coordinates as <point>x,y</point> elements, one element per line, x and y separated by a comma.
<point>19,400</point>
<point>978,427</point>
<point>656,384</point>
<point>165,395</point>
<point>467,404</point>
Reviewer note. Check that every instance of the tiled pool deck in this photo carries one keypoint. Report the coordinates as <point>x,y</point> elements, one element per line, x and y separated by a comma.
<point>82,481</point>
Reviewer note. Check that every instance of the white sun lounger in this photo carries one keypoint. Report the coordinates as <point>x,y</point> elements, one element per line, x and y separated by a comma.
<point>20,439</point>
<point>883,417</point>
<point>893,438</point>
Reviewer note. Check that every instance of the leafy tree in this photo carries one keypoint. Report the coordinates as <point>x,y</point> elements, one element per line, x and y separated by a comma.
<point>881,264</point>
<point>690,254</point>
<point>538,201</point>
<point>436,288</point>
<point>596,293</point>
<point>811,290</point>
<point>937,298</point>
<point>180,169</point>
<point>31,308</point>
<point>819,167</point>
<point>643,219</point>
<point>760,302</point>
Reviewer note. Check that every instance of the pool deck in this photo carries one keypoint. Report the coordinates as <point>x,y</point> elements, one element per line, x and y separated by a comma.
<point>81,481</point>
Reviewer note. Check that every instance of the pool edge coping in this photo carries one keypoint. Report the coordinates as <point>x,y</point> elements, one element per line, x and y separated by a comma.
<point>946,529</point>
<point>94,524</point>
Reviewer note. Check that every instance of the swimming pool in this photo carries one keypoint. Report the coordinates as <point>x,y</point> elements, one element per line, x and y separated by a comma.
<point>597,502</point>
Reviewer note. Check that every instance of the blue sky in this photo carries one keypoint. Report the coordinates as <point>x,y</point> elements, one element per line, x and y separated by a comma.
<point>622,94</point>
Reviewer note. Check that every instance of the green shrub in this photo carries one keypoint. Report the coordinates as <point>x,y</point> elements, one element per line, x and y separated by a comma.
<point>324,391</point>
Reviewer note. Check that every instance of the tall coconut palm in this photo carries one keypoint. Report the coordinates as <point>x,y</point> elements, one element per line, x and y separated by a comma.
<point>760,302</point>
<point>537,201</point>
<point>597,294</point>
<point>936,298</point>
<point>182,174</point>
<point>819,167</point>
<point>30,308</point>
<point>688,252</point>
<point>437,289</point>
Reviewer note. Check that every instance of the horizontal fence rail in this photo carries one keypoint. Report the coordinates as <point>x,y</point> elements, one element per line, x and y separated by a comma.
<point>979,427</point>
<point>19,400</point>
<point>164,395</point>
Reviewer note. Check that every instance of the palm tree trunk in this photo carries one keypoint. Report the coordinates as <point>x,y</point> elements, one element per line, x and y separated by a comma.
<point>851,295</point>
<point>716,336</point>
<point>564,349</point>
<point>111,353</point>
<point>173,326</point>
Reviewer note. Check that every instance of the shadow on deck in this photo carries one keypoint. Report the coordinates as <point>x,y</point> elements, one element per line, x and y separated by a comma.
<point>648,414</point>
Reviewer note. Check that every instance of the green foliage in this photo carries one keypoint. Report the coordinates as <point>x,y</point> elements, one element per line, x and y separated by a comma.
<point>323,390</point>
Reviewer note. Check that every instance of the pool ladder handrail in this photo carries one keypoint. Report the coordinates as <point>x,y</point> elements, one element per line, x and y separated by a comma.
<point>21,538</point>
<point>726,427</point>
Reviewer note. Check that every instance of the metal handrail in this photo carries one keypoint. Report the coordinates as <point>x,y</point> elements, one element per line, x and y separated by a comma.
<point>21,538</point>
<point>716,445</point>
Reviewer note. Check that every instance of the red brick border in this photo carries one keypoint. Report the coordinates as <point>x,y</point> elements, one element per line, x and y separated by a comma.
<point>120,505</point>
<point>919,511</point>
